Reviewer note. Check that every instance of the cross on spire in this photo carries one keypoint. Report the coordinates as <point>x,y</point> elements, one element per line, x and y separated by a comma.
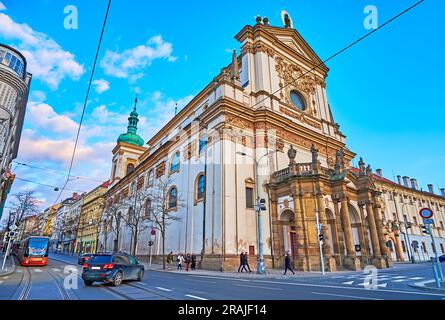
<point>135,101</point>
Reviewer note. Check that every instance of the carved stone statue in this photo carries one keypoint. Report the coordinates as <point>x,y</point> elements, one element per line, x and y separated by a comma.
<point>368,170</point>
<point>361,165</point>
<point>287,22</point>
<point>291,153</point>
<point>339,162</point>
<point>314,152</point>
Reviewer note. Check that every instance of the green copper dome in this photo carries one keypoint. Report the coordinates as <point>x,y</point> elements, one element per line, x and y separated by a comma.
<point>131,136</point>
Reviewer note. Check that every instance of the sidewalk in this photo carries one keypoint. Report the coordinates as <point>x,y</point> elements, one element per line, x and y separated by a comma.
<point>9,265</point>
<point>269,273</point>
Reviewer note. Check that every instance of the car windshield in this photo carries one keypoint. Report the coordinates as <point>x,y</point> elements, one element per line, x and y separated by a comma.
<point>37,246</point>
<point>100,259</point>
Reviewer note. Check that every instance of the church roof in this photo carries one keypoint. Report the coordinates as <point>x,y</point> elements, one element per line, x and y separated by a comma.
<point>131,136</point>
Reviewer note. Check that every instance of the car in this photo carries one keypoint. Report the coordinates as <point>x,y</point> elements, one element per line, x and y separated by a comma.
<point>112,269</point>
<point>84,258</point>
<point>442,258</point>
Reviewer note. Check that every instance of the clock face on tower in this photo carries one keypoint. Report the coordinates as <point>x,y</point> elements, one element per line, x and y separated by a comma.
<point>297,100</point>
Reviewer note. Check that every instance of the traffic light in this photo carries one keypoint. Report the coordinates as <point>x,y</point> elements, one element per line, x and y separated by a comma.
<point>321,237</point>
<point>263,204</point>
<point>425,229</point>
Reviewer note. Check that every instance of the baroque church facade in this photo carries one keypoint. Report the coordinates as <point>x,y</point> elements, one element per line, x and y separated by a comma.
<point>265,123</point>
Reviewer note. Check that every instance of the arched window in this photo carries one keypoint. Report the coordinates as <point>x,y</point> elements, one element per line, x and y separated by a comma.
<point>148,209</point>
<point>297,100</point>
<point>130,168</point>
<point>172,198</point>
<point>202,143</point>
<point>174,165</point>
<point>151,177</point>
<point>200,187</point>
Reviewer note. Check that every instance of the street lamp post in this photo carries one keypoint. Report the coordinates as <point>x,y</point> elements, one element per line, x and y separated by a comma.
<point>408,225</point>
<point>260,268</point>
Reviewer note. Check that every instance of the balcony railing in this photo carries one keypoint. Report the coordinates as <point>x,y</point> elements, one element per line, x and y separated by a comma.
<point>299,169</point>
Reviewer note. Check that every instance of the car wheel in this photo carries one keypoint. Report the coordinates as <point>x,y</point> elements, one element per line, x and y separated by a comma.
<point>141,275</point>
<point>117,279</point>
<point>88,283</point>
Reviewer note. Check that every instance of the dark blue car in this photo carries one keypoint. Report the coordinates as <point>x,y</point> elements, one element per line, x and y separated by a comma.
<point>112,268</point>
<point>442,258</point>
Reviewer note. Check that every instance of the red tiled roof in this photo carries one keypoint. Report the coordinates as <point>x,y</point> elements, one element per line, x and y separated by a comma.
<point>374,176</point>
<point>106,184</point>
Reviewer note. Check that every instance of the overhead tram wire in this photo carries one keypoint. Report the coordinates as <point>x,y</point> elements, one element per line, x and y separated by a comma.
<point>59,172</point>
<point>47,185</point>
<point>85,102</point>
<point>330,58</point>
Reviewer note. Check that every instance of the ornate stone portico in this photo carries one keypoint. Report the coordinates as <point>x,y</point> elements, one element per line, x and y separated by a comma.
<point>344,202</point>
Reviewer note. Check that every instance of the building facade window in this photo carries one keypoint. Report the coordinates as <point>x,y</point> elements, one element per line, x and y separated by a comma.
<point>297,100</point>
<point>151,177</point>
<point>130,168</point>
<point>249,198</point>
<point>175,162</point>
<point>202,143</point>
<point>148,209</point>
<point>172,198</point>
<point>200,187</point>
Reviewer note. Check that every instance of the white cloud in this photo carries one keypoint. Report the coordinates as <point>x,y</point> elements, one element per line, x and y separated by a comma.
<point>47,61</point>
<point>2,6</point>
<point>129,63</point>
<point>44,116</point>
<point>101,85</point>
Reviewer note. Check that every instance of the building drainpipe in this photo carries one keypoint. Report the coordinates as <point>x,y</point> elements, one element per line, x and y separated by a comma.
<point>270,229</point>
<point>204,206</point>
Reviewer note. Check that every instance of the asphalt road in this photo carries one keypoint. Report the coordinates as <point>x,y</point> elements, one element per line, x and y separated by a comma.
<point>55,282</point>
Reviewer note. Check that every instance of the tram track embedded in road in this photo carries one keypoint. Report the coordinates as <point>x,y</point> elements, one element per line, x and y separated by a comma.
<point>27,285</point>
<point>62,290</point>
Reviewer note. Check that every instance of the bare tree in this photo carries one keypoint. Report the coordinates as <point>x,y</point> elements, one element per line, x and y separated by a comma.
<point>112,222</point>
<point>136,217</point>
<point>24,206</point>
<point>164,209</point>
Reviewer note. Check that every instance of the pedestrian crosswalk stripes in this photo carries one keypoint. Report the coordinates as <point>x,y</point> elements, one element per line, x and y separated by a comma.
<point>382,280</point>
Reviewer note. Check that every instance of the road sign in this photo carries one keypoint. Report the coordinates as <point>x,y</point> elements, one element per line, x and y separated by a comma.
<point>428,221</point>
<point>153,232</point>
<point>426,213</point>
<point>12,227</point>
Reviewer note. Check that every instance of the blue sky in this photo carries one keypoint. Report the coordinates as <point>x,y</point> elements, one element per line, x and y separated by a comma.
<point>386,92</point>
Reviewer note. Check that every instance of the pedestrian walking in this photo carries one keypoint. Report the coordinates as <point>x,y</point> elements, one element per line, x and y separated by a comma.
<point>180,261</point>
<point>246,261</point>
<point>241,262</point>
<point>193,265</point>
<point>169,259</point>
<point>187,261</point>
<point>288,263</point>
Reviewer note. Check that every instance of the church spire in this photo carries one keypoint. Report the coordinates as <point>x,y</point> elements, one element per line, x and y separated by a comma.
<point>235,70</point>
<point>131,136</point>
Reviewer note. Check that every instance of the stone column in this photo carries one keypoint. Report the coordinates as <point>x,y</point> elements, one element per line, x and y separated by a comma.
<point>377,260</point>
<point>277,232</point>
<point>351,261</point>
<point>398,246</point>
<point>364,241</point>
<point>340,251</point>
<point>381,236</point>
<point>329,261</point>
<point>301,258</point>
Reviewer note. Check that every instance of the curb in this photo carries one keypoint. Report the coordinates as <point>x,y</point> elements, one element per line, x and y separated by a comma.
<point>2,274</point>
